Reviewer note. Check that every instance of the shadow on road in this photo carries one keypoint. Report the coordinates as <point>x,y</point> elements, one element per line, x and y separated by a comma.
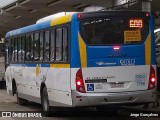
<point>77,112</point>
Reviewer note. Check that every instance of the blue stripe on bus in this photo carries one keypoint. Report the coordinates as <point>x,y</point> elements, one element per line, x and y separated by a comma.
<point>151,27</point>
<point>30,65</point>
<point>75,54</point>
<point>30,28</point>
<point>45,65</point>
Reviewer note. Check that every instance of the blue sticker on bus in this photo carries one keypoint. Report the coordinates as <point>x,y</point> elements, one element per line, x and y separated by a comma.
<point>90,87</point>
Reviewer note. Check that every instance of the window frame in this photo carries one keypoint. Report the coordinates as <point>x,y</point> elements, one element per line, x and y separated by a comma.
<point>66,25</point>
<point>34,51</point>
<point>44,45</point>
<point>30,61</point>
<point>97,18</point>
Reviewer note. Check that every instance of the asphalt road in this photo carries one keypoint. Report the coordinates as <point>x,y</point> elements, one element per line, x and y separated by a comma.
<point>8,103</point>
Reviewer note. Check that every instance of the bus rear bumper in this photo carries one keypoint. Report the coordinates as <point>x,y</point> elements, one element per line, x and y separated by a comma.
<point>96,99</point>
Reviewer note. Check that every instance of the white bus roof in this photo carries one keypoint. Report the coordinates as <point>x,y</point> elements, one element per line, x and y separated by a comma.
<point>53,16</point>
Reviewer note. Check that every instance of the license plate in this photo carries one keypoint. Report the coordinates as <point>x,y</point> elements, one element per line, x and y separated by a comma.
<point>117,85</point>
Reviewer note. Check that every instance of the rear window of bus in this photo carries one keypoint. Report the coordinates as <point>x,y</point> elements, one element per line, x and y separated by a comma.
<point>114,30</point>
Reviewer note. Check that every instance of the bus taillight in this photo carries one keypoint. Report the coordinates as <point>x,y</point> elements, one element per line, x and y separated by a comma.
<point>79,16</point>
<point>116,47</point>
<point>79,82</point>
<point>147,14</point>
<point>152,78</point>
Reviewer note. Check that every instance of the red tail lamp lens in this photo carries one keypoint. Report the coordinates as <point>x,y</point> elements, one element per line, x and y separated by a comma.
<point>152,78</point>
<point>79,82</point>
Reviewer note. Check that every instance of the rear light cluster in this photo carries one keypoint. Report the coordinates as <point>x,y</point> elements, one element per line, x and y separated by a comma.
<point>79,16</point>
<point>79,82</point>
<point>116,47</point>
<point>152,78</point>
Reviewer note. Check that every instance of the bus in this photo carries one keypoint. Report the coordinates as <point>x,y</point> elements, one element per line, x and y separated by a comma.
<point>157,42</point>
<point>84,59</point>
<point>2,63</point>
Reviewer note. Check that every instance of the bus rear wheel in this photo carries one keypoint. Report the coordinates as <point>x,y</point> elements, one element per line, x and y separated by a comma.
<point>45,102</point>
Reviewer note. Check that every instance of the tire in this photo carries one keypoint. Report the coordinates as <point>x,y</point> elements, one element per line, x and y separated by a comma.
<point>20,101</point>
<point>45,102</point>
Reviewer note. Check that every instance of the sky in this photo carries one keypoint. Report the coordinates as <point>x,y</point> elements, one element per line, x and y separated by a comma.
<point>5,2</point>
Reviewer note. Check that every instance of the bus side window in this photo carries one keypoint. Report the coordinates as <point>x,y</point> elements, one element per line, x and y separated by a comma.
<point>65,44</point>
<point>36,47</point>
<point>15,49</point>
<point>32,48</point>
<point>29,48</point>
<point>19,49</point>
<point>23,49</point>
<point>41,45</point>
<point>12,50</point>
<point>47,46</point>
<point>7,50</point>
<point>59,44</point>
<point>52,56</point>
